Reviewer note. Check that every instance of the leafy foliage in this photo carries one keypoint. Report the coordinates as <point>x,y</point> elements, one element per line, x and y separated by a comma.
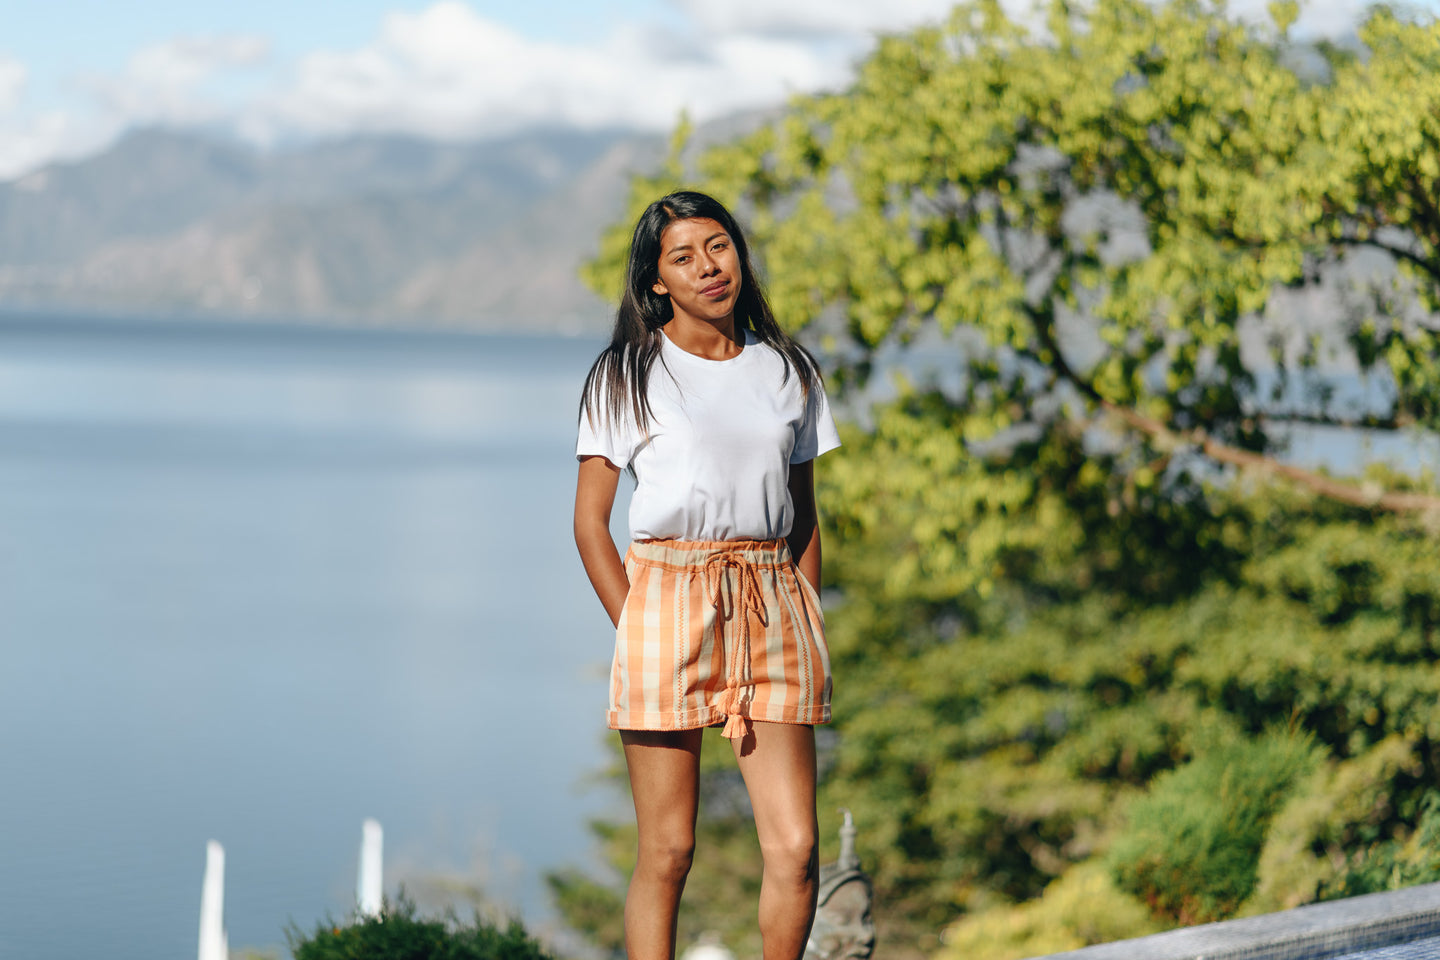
<point>1393,864</point>
<point>1082,907</point>
<point>1052,698</point>
<point>1342,807</point>
<point>398,934</point>
<point>1191,846</point>
<point>1059,569</point>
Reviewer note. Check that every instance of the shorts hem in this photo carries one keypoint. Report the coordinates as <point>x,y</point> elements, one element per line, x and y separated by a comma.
<point>617,720</point>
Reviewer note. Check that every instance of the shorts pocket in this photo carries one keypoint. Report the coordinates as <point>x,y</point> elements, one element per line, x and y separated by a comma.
<point>812,599</point>
<point>631,570</point>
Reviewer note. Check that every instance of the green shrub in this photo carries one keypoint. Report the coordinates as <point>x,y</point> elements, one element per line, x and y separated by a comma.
<point>1192,844</point>
<point>1342,807</point>
<point>397,934</point>
<point>1392,864</point>
<point>1080,908</point>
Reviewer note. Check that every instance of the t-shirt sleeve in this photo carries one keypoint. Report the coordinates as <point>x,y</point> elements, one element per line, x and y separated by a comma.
<point>816,433</point>
<point>601,434</point>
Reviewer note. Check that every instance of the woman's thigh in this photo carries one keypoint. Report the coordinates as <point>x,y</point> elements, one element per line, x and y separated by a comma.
<point>778,763</point>
<point>664,768</point>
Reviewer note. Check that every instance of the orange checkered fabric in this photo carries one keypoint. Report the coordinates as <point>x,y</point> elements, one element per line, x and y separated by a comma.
<point>717,631</point>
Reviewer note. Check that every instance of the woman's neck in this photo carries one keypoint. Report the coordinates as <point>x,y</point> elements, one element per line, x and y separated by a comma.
<point>713,340</point>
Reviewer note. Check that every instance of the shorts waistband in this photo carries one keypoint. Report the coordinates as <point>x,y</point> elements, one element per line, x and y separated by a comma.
<point>683,554</point>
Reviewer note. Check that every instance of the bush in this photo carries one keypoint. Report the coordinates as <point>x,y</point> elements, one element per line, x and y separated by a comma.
<point>1393,864</point>
<point>397,934</point>
<point>1343,807</point>
<point>1081,908</point>
<point>1192,844</point>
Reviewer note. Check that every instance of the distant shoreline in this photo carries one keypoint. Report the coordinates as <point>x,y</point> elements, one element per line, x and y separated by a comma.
<point>45,320</point>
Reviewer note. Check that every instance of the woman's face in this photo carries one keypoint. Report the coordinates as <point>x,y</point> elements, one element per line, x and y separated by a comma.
<point>699,270</point>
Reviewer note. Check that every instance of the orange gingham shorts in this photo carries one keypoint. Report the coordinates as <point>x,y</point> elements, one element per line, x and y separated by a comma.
<point>717,631</point>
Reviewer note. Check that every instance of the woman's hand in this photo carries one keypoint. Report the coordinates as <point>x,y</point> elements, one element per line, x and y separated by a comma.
<point>594,498</point>
<point>804,539</point>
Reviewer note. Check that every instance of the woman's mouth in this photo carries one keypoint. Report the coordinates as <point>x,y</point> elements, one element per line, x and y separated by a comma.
<point>716,288</point>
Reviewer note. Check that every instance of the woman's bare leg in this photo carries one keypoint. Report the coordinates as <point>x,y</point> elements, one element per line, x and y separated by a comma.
<point>664,771</point>
<point>778,763</point>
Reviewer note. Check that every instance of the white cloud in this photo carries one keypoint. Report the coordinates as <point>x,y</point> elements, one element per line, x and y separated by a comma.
<point>31,139</point>
<point>447,71</point>
<point>29,142</point>
<point>171,82</point>
<point>848,18</point>
<point>12,83</point>
<point>188,60</point>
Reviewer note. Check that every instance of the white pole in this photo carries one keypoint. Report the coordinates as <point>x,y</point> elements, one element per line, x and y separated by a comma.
<point>212,905</point>
<point>368,890</point>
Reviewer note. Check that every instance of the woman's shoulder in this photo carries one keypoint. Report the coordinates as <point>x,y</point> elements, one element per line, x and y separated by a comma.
<point>766,352</point>
<point>784,363</point>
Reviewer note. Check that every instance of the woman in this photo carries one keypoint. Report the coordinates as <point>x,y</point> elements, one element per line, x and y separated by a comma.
<point>718,414</point>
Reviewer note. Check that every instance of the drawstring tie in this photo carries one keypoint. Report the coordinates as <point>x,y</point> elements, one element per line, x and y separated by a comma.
<point>747,581</point>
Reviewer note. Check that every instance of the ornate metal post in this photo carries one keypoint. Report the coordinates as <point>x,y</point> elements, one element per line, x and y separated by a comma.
<point>843,929</point>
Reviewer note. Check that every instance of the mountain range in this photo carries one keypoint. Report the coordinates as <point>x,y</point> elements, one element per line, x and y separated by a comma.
<point>486,235</point>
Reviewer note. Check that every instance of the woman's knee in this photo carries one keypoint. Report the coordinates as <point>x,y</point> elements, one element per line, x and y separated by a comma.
<point>667,856</point>
<point>793,853</point>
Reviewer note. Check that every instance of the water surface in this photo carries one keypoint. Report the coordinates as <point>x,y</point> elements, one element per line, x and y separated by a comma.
<point>259,583</point>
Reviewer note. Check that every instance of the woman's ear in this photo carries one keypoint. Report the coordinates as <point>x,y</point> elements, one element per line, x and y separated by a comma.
<point>659,288</point>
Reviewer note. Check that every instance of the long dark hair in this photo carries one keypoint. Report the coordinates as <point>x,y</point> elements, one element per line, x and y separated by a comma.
<point>618,380</point>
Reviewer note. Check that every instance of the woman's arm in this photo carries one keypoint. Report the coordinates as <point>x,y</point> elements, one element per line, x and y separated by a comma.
<point>594,497</point>
<point>804,539</point>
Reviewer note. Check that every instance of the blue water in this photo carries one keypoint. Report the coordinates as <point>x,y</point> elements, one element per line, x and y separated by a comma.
<point>259,583</point>
<point>1426,949</point>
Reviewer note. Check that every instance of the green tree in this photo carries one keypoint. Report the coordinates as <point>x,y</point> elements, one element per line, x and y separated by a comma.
<point>1160,170</point>
<point>1063,569</point>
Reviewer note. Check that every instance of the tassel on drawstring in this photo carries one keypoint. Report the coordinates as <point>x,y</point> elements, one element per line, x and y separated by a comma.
<point>752,604</point>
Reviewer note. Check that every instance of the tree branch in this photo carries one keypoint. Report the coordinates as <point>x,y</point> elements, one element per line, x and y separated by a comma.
<point>1359,495</point>
<point>1398,252</point>
<point>1421,197</point>
<point>1390,423</point>
<point>1043,322</point>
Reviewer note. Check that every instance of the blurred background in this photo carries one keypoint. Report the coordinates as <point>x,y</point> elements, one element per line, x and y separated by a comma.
<point>291,335</point>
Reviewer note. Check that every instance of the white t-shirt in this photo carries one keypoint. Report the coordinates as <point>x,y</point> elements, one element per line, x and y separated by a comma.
<point>715,462</point>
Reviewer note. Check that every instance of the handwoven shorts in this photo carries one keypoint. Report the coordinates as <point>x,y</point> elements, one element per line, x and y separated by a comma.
<point>717,631</point>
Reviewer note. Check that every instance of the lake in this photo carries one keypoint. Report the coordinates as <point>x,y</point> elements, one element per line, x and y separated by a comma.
<point>258,583</point>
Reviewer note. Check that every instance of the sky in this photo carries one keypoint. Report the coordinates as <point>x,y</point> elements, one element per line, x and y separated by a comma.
<point>75,74</point>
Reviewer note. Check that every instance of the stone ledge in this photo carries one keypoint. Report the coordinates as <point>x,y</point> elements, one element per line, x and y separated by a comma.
<point>1315,931</point>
